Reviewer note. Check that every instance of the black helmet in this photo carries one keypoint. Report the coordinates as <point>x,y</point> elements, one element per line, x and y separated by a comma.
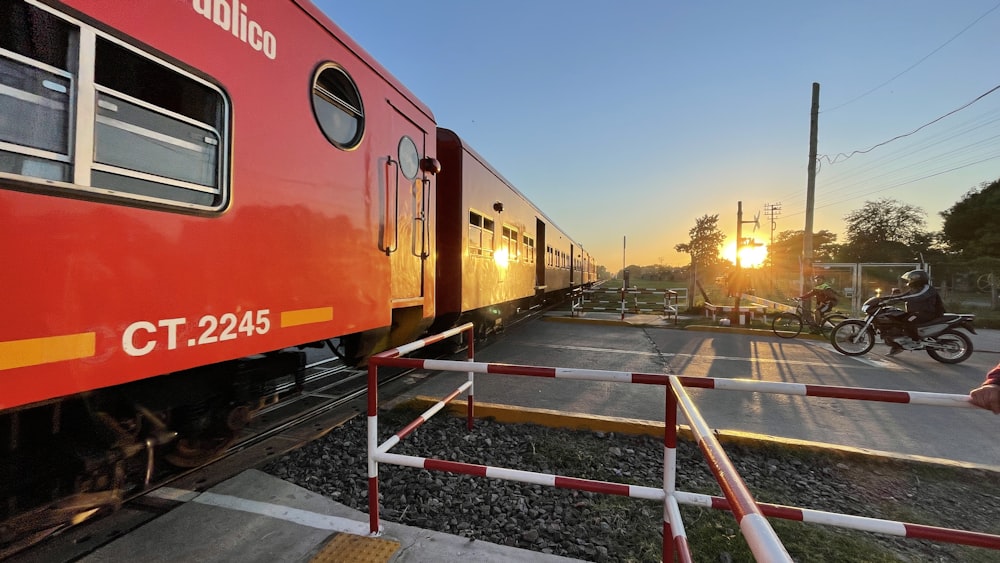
<point>817,279</point>
<point>915,278</point>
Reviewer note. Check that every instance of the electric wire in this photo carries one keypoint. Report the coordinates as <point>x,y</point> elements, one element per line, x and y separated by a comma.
<point>914,65</point>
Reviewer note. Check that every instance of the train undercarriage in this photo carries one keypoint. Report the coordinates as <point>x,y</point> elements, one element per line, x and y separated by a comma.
<point>70,459</point>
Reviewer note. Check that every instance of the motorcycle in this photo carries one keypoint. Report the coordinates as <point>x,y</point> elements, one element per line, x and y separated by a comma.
<point>939,337</point>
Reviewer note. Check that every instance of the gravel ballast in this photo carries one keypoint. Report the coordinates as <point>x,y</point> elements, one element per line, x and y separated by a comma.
<point>596,527</point>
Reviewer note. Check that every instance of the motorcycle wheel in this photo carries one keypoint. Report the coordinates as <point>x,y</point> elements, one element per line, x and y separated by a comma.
<point>958,347</point>
<point>852,339</point>
<point>830,322</point>
<point>787,325</point>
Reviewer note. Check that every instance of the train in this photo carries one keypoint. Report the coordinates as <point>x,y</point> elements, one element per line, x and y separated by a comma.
<point>192,192</point>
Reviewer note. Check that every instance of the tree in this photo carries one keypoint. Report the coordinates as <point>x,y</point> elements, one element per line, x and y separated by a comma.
<point>886,230</point>
<point>787,248</point>
<point>706,240</point>
<point>969,228</point>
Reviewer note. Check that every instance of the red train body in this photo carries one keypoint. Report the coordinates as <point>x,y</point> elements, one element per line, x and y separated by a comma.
<point>189,187</point>
<point>281,241</point>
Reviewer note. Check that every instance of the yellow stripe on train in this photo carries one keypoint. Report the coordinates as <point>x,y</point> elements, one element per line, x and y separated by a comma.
<point>36,351</point>
<point>306,316</point>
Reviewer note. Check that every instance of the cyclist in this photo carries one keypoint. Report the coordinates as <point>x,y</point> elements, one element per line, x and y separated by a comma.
<point>923,303</point>
<point>826,298</point>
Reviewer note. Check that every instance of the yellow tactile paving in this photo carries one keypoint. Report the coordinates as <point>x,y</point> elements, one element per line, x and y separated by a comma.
<point>349,548</point>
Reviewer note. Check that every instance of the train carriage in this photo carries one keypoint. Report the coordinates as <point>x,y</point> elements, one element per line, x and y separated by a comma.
<point>188,188</point>
<point>498,253</point>
<point>171,203</point>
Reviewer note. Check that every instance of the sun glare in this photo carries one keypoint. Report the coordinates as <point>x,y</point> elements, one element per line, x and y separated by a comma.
<point>750,256</point>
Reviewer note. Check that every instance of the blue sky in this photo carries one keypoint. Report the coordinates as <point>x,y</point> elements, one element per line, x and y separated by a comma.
<point>629,120</point>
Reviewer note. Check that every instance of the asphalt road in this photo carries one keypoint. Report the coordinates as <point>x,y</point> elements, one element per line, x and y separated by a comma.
<point>956,434</point>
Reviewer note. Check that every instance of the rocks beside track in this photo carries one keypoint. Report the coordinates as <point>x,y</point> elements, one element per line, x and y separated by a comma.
<point>598,527</point>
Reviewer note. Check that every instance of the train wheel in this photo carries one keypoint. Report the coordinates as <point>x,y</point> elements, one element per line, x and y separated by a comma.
<point>195,449</point>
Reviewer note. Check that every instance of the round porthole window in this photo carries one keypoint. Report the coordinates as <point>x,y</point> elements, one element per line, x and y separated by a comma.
<point>337,107</point>
<point>409,157</point>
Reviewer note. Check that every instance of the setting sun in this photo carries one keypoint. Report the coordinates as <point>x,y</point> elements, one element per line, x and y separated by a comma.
<point>750,256</point>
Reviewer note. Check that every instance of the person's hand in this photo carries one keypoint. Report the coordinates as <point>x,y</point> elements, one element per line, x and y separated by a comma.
<point>987,397</point>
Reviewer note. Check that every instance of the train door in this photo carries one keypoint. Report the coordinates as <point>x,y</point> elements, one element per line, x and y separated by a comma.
<point>541,260</point>
<point>407,229</point>
<point>573,265</point>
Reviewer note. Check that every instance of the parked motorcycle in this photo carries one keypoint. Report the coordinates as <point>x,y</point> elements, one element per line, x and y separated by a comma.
<point>939,337</point>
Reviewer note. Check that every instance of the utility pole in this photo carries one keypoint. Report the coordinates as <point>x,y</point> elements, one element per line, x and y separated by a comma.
<point>771,211</point>
<point>739,269</point>
<point>807,238</point>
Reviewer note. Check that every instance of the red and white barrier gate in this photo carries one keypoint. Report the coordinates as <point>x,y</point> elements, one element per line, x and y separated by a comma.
<point>749,513</point>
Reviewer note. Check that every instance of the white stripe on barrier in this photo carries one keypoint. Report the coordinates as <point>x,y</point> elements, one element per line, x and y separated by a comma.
<point>780,387</point>
<point>593,375</point>
<point>523,476</point>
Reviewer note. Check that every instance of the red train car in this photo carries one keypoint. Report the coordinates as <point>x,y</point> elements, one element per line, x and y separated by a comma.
<point>187,188</point>
<point>185,183</point>
<point>498,253</point>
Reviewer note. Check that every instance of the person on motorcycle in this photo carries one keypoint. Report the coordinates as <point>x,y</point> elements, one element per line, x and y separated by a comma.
<point>987,395</point>
<point>922,304</point>
<point>826,298</point>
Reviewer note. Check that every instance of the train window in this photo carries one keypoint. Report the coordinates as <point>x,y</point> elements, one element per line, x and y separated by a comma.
<point>98,116</point>
<point>409,157</point>
<point>337,106</point>
<point>475,233</point>
<point>155,134</point>
<point>509,242</point>
<point>35,88</point>
<point>481,235</point>
<point>529,249</point>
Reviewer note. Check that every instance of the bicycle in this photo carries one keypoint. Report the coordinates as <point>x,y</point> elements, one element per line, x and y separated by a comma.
<point>789,325</point>
<point>986,282</point>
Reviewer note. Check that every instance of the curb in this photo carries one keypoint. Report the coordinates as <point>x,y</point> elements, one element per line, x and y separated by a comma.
<point>595,423</point>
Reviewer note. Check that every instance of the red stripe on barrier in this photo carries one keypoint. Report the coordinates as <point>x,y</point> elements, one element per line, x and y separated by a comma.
<point>670,424</point>
<point>698,382</point>
<point>775,510</point>
<point>730,483</point>
<point>650,379</point>
<point>520,370</point>
<point>683,551</point>
<point>952,536</point>
<point>373,504</point>
<point>397,362</point>
<point>410,428</point>
<point>455,467</point>
<point>882,395</point>
<point>592,486</point>
<point>668,554</point>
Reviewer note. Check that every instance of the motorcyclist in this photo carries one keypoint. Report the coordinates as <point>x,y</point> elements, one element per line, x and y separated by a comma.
<point>826,297</point>
<point>922,303</point>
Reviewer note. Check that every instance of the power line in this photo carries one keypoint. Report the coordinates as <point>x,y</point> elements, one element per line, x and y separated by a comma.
<point>837,158</point>
<point>911,67</point>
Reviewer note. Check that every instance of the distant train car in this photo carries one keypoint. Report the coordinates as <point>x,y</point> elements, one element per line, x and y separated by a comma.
<point>497,252</point>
